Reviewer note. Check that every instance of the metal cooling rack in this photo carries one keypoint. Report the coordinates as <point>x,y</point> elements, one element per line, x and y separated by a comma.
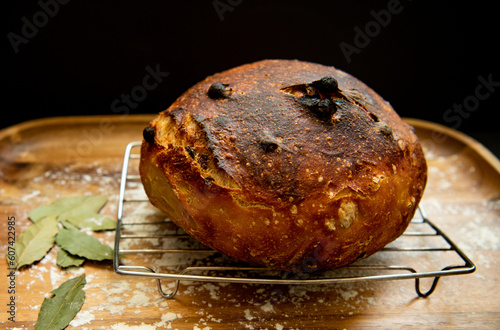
<point>422,241</point>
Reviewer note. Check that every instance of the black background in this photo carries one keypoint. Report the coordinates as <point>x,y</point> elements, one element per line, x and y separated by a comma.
<point>427,59</point>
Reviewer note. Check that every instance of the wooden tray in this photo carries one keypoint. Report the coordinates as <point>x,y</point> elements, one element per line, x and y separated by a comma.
<point>47,159</point>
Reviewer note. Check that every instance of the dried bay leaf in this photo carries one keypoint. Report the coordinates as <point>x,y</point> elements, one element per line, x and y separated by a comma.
<point>69,207</point>
<point>93,221</point>
<point>35,241</point>
<point>57,312</point>
<point>83,245</point>
<point>68,225</point>
<point>64,259</point>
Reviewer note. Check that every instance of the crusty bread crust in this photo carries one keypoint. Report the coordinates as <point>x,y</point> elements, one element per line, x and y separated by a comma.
<point>272,165</point>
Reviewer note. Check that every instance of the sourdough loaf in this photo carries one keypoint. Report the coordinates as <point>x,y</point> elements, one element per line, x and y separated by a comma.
<point>283,163</point>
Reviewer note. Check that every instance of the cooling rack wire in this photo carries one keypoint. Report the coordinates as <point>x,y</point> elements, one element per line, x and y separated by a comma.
<point>423,243</point>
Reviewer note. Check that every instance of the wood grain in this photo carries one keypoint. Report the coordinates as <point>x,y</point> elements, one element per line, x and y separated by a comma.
<point>46,159</point>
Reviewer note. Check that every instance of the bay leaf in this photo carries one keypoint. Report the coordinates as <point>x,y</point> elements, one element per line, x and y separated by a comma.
<point>93,221</point>
<point>67,224</point>
<point>83,245</point>
<point>68,207</point>
<point>57,312</point>
<point>35,241</point>
<point>64,259</point>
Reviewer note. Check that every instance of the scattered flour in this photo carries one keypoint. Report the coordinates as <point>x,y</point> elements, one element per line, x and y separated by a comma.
<point>475,236</point>
<point>248,316</point>
<point>124,326</point>
<point>166,320</point>
<point>346,295</point>
<point>83,317</point>
<point>113,309</point>
<point>118,287</point>
<point>213,289</point>
<point>115,300</point>
<point>56,277</point>
<point>267,307</point>
<point>139,299</point>
<point>29,196</point>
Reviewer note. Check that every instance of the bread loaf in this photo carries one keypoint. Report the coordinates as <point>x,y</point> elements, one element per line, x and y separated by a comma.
<point>287,164</point>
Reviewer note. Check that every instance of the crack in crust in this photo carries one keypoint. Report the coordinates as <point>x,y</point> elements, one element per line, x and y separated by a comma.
<point>189,134</point>
<point>324,103</point>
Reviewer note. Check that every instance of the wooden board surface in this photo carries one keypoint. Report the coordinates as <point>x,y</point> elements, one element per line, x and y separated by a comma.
<point>43,160</point>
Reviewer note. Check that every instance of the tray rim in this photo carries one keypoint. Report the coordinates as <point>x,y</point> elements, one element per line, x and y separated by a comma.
<point>465,139</point>
<point>16,129</point>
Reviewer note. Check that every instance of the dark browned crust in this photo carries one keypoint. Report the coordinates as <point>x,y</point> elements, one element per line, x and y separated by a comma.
<point>261,175</point>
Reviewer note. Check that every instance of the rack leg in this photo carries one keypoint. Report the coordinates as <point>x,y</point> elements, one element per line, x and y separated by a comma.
<point>430,291</point>
<point>168,295</point>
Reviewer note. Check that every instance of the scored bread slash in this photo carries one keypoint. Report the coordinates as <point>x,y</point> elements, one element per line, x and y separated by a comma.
<point>287,164</point>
